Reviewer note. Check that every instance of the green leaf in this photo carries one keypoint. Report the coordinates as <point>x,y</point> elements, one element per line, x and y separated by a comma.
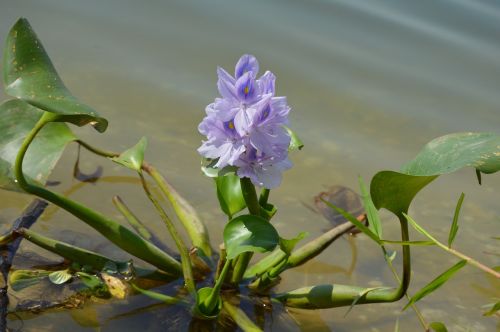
<point>133,158</point>
<point>495,308</point>
<point>374,222</point>
<point>60,277</point>
<point>17,118</point>
<point>452,152</point>
<point>395,191</point>
<point>454,225</point>
<point>249,233</point>
<point>419,228</point>
<point>20,279</point>
<point>438,327</point>
<point>90,280</point>
<point>287,246</point>
<point>28,74</point>
<point>229,193</point>
<point>355,221</point>
<point>436,283</point>
<point>295,142</point>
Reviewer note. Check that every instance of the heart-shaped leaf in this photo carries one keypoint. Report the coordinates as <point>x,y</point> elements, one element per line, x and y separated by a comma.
<point>395,191</point>
<point>249,233</point>
<point>452,152</point>
<point>17,118</point>
<point>133,157</point>
<point>229,193</point>
<point>28,74</point>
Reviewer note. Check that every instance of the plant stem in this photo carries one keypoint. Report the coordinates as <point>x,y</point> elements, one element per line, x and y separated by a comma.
<point>212,300</point>
<point>331,296</point>
<point>112,230</point>
<point>185,260</point>
<point>240,318</point>
<point>250,196</point>
<point>469,260</point>
<point>97,151</point>
<point>264,196</point>
<point>195,228</point>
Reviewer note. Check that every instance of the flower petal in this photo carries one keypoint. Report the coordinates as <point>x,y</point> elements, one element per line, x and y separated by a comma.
<point>247,63</point>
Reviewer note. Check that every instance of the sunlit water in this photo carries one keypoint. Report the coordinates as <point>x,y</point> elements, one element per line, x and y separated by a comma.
<point>369,83</point>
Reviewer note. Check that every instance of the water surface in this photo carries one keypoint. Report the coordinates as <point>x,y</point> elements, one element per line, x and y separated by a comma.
<point>369,84</point>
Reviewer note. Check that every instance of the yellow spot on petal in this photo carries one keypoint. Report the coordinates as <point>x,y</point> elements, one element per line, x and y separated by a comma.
<point>231,125</point>
<point>246,90</point>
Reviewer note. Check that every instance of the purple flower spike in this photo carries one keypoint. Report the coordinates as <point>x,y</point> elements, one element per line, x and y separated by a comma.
<point>244,128</point>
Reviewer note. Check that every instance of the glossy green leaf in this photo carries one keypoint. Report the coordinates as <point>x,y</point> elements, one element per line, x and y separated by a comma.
<point>438,327</point>
<point>28,74</point>
<point>295,141</point>
<point>17,118</point>
<point>374,222</point>
<point>229,193</point>
<point>452,152</point>
<point>20,279</point>
<point>60,277</point>
<point>436,283</point>
<point>395,191</point>
<point>133,157</point>
<point>249,233</point>
<point>287,245</point>
<point>454,225</point>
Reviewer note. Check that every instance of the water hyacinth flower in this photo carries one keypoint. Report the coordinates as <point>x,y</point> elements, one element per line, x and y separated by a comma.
<point>244,127</point>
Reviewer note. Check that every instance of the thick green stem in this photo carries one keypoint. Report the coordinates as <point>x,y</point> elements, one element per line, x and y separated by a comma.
<point>185,260</point>
<point>264,196</point>
<point>331,296</point>
<point>212,300</point>
<point>112,230</point>
<point>250,196</point>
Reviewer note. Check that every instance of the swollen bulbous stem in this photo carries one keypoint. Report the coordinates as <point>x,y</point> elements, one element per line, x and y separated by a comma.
<point>331,296</point>
<point>112,230</point>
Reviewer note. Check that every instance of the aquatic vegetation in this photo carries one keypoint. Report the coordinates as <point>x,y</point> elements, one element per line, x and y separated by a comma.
<point>246,147</point>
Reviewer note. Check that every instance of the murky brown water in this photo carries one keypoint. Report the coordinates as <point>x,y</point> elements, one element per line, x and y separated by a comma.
<point>369,83</point>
